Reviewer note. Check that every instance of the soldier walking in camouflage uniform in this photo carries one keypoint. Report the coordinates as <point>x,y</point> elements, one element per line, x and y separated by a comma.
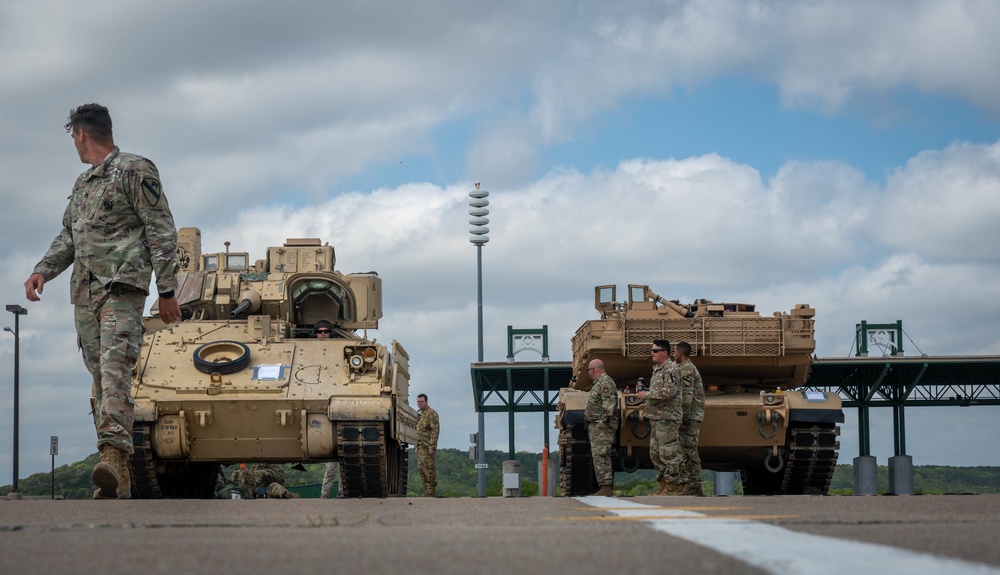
<point>601,415</point>
<point>693,403</point>
<point>428,429</point>
<point>664,411</point>
<point>117,231</point>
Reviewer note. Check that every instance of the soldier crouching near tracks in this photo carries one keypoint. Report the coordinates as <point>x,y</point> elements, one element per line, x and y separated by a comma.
<point>428,429</point>
<point>601,415</point>
<point>117,231</point>
<point>664,409</point>
<point>259,481</point>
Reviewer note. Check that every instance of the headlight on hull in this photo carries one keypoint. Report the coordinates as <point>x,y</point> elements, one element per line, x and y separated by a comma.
<point>360,358</point>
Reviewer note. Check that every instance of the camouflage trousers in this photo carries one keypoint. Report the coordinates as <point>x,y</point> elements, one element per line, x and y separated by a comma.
<point>602,439</point>
<point>427,468</point>
<point>330,476</point>
<point>109,332</point>
<point>691,465</point>
<point>665,450</point>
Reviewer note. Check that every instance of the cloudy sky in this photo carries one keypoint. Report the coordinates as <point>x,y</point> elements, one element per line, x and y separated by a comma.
<point>844,154</point>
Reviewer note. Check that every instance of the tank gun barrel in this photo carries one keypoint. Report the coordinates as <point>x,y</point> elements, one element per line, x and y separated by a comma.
<point>249,302</point>
<point>685,312</point>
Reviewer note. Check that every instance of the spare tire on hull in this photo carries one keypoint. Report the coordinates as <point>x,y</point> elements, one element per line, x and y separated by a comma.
<point>222,357</point>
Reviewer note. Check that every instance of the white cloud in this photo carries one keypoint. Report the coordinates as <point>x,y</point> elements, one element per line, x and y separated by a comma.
<point>258,101</point>
<point>945,204</point>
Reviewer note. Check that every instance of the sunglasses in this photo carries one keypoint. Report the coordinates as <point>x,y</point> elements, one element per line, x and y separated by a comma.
<point>656,350</point>
<point>323,331</point>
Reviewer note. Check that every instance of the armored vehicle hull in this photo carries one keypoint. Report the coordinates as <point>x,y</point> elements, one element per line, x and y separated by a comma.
<point>242,378</point>
<point>757,421</point>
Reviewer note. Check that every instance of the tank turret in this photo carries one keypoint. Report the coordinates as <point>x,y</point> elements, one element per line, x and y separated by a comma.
<point>242,379</point>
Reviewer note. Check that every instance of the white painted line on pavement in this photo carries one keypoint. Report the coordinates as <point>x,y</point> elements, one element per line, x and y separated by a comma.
<point>783,551</point>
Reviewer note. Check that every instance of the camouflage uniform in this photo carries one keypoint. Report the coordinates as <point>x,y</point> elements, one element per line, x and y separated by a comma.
<point>330,476</point>
<point>261,480</point>
<point>664,410</point>
<point>241,479</point>
<point>428,429</point>
<point>117,231</point>
<point>601,415</point>
<point>268,473</point>
<point>693,391</point>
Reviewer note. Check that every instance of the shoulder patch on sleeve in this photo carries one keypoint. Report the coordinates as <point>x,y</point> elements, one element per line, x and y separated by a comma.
<point>151,191</point>
<point>687,373</point>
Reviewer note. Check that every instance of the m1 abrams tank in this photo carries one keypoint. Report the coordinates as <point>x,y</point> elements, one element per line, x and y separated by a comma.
<point>242,379</point>
<point>781,439</point>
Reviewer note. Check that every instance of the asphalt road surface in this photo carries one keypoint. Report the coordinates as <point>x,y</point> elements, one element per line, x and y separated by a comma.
<point>790,535</point>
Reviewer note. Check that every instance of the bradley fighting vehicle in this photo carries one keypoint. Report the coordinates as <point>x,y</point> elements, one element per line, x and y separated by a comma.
<point>240,379</point>
<point>758,421</point>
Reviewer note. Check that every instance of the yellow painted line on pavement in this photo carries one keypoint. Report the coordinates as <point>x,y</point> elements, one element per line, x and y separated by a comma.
<point>723,508</point>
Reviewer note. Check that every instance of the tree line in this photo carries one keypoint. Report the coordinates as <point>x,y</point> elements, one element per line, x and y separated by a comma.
<point>458,476</point>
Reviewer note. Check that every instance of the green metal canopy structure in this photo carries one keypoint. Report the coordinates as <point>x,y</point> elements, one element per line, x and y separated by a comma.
<point>523,387</point>
<point>898,382</point>
<point>862,382</point>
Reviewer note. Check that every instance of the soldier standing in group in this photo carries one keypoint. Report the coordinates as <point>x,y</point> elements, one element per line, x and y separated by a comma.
<point>601,415</point>
<point>116,232</point>
<point>693,403</point>
<point>664,411</point>
<point>428,429</point>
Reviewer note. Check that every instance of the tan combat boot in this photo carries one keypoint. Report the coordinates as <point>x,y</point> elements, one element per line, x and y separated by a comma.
<point>606,491</point>
<point>105,474</point>
<point>672,489</point>
<point>278,491</point>
<point>124,476</point>
<point>693,489</point>
<point>663,487</point>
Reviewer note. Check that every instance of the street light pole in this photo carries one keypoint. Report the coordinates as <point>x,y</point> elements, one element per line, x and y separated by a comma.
<point>18,311</point>
<point>478,232</point>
